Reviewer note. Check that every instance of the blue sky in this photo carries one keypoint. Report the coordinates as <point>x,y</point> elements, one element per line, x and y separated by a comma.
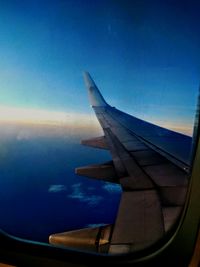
<point>143,55</point>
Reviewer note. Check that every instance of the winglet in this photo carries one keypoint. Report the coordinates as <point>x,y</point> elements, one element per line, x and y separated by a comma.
<point>96,98</point>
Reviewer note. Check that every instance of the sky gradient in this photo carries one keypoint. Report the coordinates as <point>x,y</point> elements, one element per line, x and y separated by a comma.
<point>143,55</point>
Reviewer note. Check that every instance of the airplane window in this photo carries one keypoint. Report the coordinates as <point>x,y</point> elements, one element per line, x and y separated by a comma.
<point>99,112</point>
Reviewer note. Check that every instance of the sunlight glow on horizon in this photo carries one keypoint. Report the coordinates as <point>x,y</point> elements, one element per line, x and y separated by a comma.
<point>69,119</point>
<point>41,116</point>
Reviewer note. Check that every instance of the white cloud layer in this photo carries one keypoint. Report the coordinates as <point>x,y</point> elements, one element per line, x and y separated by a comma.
<point>55,188</point>
<point>93,225</point>
<point>79,194</point>
<point>112,188</point>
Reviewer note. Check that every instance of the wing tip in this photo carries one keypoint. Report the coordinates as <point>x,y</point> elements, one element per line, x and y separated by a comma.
<point>96,99</point>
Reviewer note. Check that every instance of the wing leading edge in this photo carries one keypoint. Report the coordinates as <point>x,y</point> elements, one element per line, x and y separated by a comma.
<point>152,169</point>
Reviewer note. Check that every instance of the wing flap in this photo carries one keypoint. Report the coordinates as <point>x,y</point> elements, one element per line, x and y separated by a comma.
<point>173,195</point>
<point>139,221</point>
<point>166,174</point>
<point>148,157</point>
<point>171,214</point>
<point>137,177</point>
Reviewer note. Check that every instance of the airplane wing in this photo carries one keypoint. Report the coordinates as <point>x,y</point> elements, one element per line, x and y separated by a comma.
<point>150,163</point>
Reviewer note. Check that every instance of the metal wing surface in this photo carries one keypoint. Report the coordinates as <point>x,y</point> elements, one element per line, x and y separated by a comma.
<point>150,163</point>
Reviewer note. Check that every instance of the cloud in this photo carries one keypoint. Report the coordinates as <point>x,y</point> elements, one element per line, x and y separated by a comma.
<point>93,225</point>
<point>76,192</point>
<point>55,188</point>
<point>79,194</point>
<point>23,135</point>
<point>93,200</point>
<point>112,188</point>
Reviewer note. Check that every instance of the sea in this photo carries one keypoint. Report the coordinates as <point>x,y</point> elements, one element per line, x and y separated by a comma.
<point>40,194</point>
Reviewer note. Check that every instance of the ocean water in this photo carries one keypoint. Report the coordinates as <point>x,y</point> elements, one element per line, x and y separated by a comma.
<point>40,193</point>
